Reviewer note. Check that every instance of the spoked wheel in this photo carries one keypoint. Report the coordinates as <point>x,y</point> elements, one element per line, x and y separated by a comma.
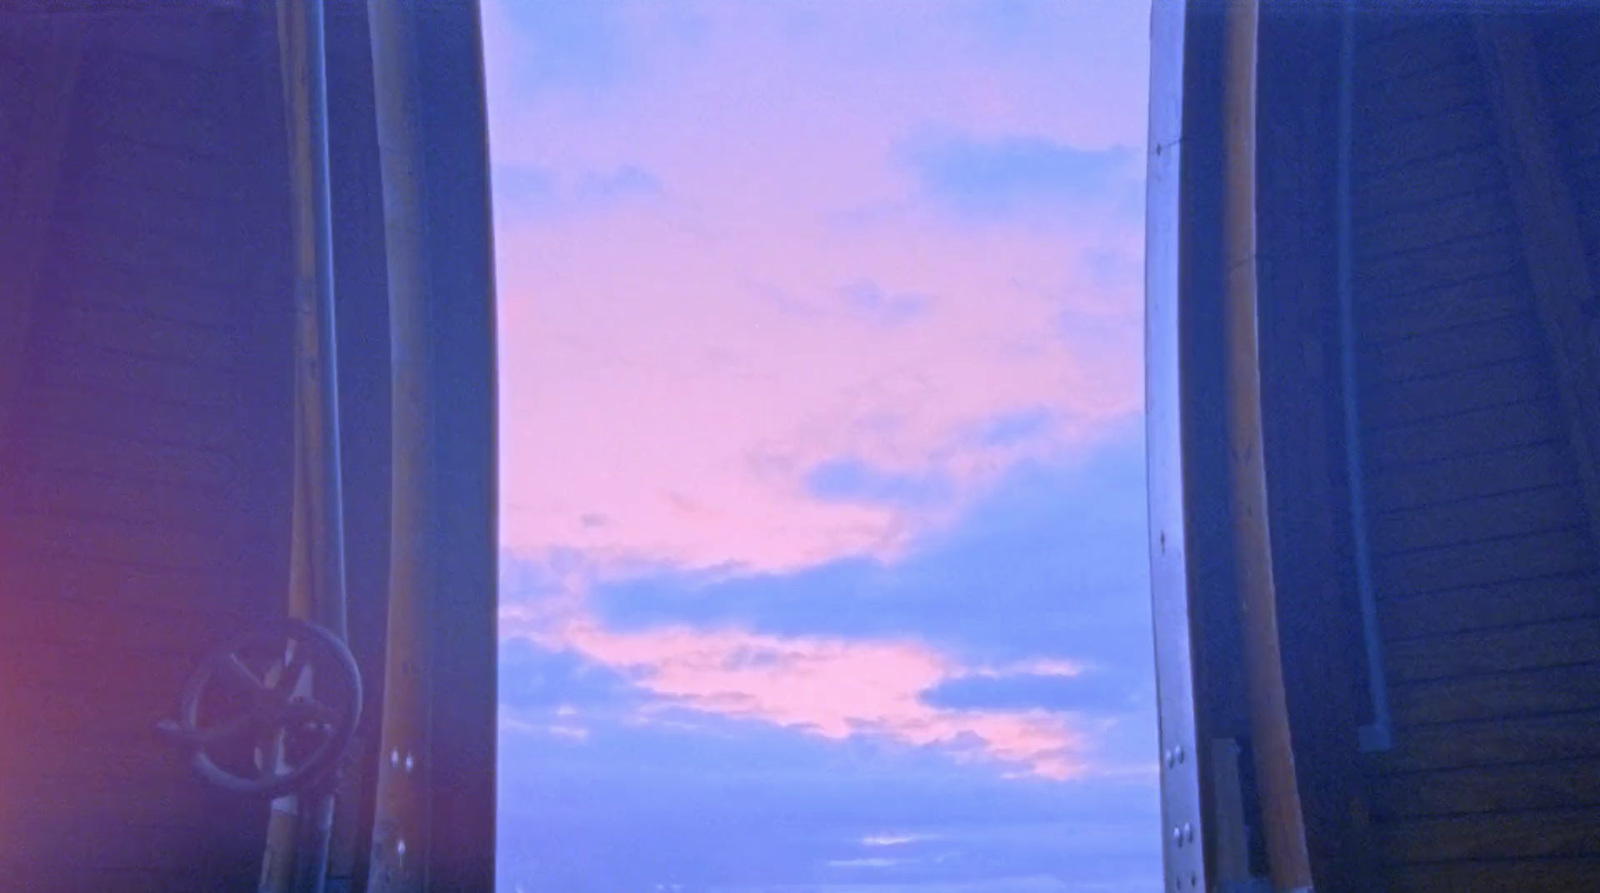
<point>271,711</point>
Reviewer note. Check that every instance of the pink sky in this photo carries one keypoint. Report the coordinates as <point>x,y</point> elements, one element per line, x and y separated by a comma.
<point>677,357</point>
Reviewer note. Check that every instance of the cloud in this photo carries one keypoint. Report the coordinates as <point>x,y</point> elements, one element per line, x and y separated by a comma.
<point>1090,692</point>
<point>1016,427</point>
<point>851,480</point>
<point>727,804</point>
<point>869,299</point>
<point>531,194</point>
<point>828,687</point>
<point>759,550</point>
<point>649,376</point>
<point>1050,563</point>
<point>1024,176</point>
<point>1018,635</point>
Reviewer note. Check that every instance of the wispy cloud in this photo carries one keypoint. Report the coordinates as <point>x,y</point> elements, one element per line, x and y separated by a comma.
<point>1024,177</point>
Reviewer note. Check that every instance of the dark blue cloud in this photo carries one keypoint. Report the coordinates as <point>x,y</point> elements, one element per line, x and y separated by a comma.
<point>525,192</point>
<point>1092,692</point>
<point>533,678</point>
<point>623,183</point>
<point>851,480</point>
<point>1051,564</point>
<point>1023,177</point>
<point>568,44</point>
<point>594,45</point>
<point>1014,428</point>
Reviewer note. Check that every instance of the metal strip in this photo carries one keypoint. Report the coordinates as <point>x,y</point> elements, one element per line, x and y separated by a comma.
<point>1183,826</point>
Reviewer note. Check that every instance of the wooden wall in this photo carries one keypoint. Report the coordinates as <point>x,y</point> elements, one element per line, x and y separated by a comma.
<point>144,431</point>
<point>1484,553</point>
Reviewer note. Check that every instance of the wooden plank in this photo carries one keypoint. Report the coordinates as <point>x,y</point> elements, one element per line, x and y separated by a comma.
<point>1465,434</point>
<point>1515,835</point>
<point>1492,742</point>
<point>1581,131</point>
<point>1561,784</point>
<point>135,332</point>
<point>1479,212</point>
<point>1426,182</point>
<point>1536,510</point>
<point>163,505</point>
<point>171,37</point>
<point>1394,46</point>
<point>1535,600</point>
<point>1485,563</point>
<point>1557,261</point>
<point>1381,317</point>
<point>1440,267</point>
<point>86,261</point>
<point>98,585</point>
<point>67,705</point>
<point>118,201</point>
<point>125,290</point>
<point>1451,82</point>
<point>129,542</point>
<point>154,103</point>
<point>1468,477</point>
<point>1571,62</point>
<point>1459,348</point>
<point>188,173</point>
<point>1386,147</point>
<point>104,375</point>
<point>135,628</point>
<point>26,221</point>
<point>1521,380</point>
<point>1560,689</point>
<point>1509,649</point>
<point>1586,185</point>
<point>103,672</point>
<point>159,847</point>
<point>1506,876</point>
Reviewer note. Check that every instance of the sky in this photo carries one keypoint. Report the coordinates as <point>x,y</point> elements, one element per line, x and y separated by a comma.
<point>823,533</point>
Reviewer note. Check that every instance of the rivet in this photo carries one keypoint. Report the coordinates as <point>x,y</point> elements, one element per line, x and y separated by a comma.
<point>1194,880</point>
<point>394,757</point>
<point>1188,832</point>
<point>1180,753</point>
<point>409,764</point>
<point>400,847</point>
<point>1172,758</point>
<point>1177,837</point>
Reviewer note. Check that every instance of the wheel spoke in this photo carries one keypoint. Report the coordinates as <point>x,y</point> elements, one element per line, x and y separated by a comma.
<point>235,672</point>
<point>296,668</point>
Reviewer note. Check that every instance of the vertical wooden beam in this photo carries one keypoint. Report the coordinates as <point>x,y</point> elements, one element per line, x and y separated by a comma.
<point>1269,710</point>
<point>402,825</point>
<point>1563,287</point>
<point>26,218</point>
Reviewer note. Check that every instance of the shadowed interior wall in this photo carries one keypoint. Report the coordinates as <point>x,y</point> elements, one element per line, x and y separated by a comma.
<point>145,454</point>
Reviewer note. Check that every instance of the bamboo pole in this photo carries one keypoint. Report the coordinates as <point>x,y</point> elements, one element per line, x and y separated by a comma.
<point>1269,715</point>
<point>402,820</point>
<point>299,825</point>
